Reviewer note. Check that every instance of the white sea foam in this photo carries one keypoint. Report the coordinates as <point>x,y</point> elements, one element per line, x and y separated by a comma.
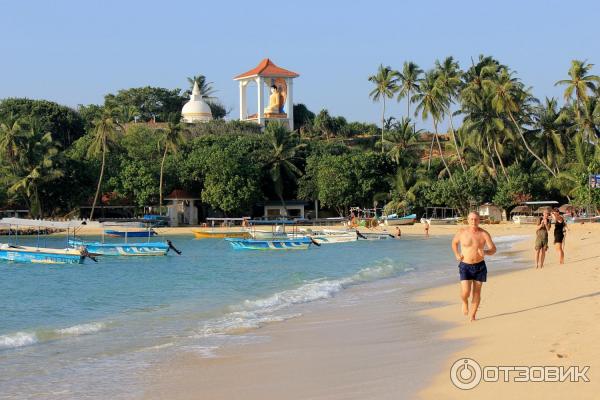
<point>255,313</point>
<point>18,339</point>
<point>509,239</point>
<point>83,329</point>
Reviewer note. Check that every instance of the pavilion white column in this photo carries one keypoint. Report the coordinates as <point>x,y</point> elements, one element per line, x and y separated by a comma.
<point>243,105</point>
<point>289,102</point>
<point>261,106</point>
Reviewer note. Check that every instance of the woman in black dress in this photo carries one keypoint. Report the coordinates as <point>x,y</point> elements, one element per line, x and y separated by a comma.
<point>560,228</point>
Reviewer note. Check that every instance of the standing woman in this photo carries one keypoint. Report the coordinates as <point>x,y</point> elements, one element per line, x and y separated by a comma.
<point>541,240</point>
<point>560,227</point>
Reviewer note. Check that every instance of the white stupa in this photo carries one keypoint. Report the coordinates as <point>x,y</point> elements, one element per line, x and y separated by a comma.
<point>196,110</point>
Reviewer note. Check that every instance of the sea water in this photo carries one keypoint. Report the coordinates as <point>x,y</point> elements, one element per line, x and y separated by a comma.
<point>88,331</point>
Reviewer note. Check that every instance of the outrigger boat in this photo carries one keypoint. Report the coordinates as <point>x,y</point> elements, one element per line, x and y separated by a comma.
<point>229,229</point>
<point>42,255</point>
<point>135,233</point>
<point>440,216</point>
<point>327,236</point>
<point>393,220</point>
<point>125,248</point>
<point>291,241</point>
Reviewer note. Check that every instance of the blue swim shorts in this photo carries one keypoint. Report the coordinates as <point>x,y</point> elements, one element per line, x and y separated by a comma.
<point>473,272</point>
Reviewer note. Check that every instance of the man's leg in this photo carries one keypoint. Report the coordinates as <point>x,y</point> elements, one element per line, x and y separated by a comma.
<point>476,298</point>
<point>465,292</point>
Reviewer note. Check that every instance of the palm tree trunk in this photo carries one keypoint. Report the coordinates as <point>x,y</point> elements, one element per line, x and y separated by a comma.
<point>408,105</point>
<point>437,139</point>
<point>160,189</point>
<point>100,178</point>
<point>430,153</point>
<point>382,123</point>
<point>491,156</point>
<point>460,159</point>
<point>527,145</point>
<point>501,163</point>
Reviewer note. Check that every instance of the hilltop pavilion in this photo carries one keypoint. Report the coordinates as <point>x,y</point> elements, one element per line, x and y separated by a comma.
<point>279,82</point>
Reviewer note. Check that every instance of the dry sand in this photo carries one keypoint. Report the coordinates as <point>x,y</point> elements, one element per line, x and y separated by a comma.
<point>370,350</point>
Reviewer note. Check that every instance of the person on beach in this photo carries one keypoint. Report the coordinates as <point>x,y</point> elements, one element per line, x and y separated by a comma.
<point>472,269</point>
<point>560,228</point>
<point>398,233</point>
<point>541,240</point>
<point>426,229</point>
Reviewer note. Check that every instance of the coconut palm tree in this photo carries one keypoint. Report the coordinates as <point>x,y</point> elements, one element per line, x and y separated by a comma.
<point>449,79</point>
<point>104,134</point>
<point>579,83</point>
<point>510,97</point>
<point>284,148</point>
<point>385,87</point>
<point>401,139</point>
<point>431,102</point>
<point>11,135</point>
<point>409,80</point>
<point>551,133</point>
<point>171,138</point>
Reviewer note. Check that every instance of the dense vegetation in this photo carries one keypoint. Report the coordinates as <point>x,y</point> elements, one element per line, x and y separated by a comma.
<point>502,145</point>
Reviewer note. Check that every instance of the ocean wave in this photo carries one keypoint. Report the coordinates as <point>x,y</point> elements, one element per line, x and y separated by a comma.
<point>255,313</point>
<point>18,339</point>
<point>83,329</point>
<point>509,239</point>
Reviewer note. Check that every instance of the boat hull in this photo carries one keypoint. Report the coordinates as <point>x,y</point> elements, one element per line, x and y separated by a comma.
<point>201,234</point>
<point>40,255</point>
<point>374,236</point>
<point>442,221</point>
<point>123,249</point>
<point>525,219</point>
<point>406,220</point>
<point>274,244</point>
<point>129,234</point>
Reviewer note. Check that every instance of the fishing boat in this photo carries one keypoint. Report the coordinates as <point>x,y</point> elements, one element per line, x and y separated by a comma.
<point>374,235</point>
<point>440,216</point>
<point>39,254</point>
<point>123,249</point>
<point>394,220</point>
<point>225,227</point>
<point>293,240</point>
<point>327,236</point>
<point>134,233</point>
<point>525,214</point>
<point>301,243</point>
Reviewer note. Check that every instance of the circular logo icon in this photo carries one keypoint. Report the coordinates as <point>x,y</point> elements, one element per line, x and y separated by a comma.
<point>465,373</point>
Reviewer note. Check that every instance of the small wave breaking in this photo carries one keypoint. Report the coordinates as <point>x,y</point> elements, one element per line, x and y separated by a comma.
<point>20,339</point>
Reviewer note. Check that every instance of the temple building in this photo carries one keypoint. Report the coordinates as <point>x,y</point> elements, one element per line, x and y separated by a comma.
<point>279,82</point>
<point>196,110</point>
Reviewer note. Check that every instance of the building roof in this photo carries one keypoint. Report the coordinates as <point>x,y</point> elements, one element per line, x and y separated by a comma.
<point>179,194</point>
<point>268,69</point>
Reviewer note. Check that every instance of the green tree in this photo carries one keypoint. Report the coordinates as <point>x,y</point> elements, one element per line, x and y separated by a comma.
<point>409,80</point>
<point>171,138</point>
<point>579,83</point>
<point>402,140</point>
<point>385,82</point>
<point>153,103</point>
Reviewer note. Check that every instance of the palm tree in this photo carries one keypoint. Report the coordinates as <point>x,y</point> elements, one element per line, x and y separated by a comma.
<point>432,102</point>
<point>402,138</point>
<point>449,80</point>
<point>385,87</point>
<point>172,137</point>
<point>409,80</point>
<point>104,133</point>
<point>511,97</point>
<point>205,87</point>
<point>325,124</point>
<point>550,132</point>
<point>283,155</point>
<point>579,83</point>
<point>11,133</point>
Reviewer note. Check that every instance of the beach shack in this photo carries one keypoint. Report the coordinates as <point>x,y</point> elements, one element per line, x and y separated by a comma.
<point>181,208</point>
<point>291,209</point>
<point>492,212</point>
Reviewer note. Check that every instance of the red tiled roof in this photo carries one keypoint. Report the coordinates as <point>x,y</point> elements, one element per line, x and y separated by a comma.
<point>179,194</point>
<point>268,69</point>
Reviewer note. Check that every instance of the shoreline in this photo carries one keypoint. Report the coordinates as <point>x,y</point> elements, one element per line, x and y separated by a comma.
<point>294,346</point>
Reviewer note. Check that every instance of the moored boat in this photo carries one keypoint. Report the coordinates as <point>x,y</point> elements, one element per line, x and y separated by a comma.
<point>130,234</point>
<point>332,236</point>
<point>300,243</point>
<point>223,228</point>
<point>405,220</point>
<point>123,249</point>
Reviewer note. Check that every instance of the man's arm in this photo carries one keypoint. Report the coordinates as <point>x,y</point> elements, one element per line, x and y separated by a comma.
<point>455,243</point>
<point>491,247</point>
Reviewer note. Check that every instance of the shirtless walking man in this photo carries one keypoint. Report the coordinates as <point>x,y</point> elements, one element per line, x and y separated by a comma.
<point>472,268</point>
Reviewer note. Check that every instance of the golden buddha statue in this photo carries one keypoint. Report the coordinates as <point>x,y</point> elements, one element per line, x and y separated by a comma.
<point>274,106</point>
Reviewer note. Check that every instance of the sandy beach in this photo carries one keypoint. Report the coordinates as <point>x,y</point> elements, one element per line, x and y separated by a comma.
<point>369,350</point>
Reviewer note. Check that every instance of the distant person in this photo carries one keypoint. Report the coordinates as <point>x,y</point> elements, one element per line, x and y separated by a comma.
<point>560,228</point>
<point>398,232</point>
<point>541,240</point>
<point>426,229</point>
<point>472,269</point>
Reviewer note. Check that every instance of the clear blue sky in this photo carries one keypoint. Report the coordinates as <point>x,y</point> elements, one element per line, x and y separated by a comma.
<point>75,52</point>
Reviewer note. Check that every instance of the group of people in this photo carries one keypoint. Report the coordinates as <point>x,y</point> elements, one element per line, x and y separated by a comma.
<point>541,239</point>
<point>476,243</point>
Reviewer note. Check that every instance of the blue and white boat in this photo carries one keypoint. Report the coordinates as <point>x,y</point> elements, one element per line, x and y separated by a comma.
<point>300,243</point>
<point>125,234</point>
<point>40,255</point>
<point>122,249</point>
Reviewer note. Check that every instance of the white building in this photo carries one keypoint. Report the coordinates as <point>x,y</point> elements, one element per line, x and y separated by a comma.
<point>196,110</point>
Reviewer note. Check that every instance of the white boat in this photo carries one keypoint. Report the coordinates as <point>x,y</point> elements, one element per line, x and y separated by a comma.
<point>331,236</point>
<point>374,236</point>
<point>394,220</point>
<point>440,221</point>
<point>525,219</point>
